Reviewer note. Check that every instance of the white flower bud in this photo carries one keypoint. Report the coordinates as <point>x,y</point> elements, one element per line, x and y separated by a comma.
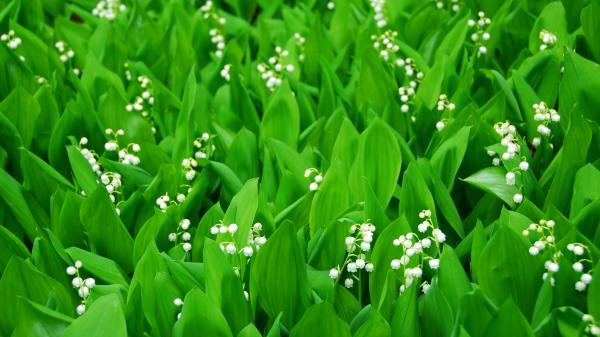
<point>247,251</point>
<point>230,248</point>
<point>434,263</point>
<point>395,264</point>
<point>84,292</point>
<point>185,224</point>
<point>334,273</point>
<point>178,302</point>
<point>586,278</point>
<point>348,283</point>
<point>80,309</point>
<point>510,178</point>
<point>172,237</point>
<point>186,236</point>
<point>78,264</point>
<point>518,198</point>
<point>232,228</point>
<point>533,251</point>
<point>71,270</point>
<point>313,186</point>
<point>580,286</point>
<point>578,267</point>
<point>369,267</point>
<point>89,282</point>
<point>187,247</point>
<point>524,166</point>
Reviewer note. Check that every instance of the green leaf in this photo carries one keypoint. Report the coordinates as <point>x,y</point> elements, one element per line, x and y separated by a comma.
<point>282,117</point>
<point>331,199</point>
<point>105,229</point>
<point>446,160</point>
<point>381,167</point>
<point>11,193</point>
<point>506,270</point>
<point>320,320</point>
<point>21,280</point>
<point>590,23</point>
<point>509,321</point>
<point>105,317</point>
<point>493,180</point>
<point>452,278</point>
<point>101,267</point>
<point>575,148</point>
<point>285,288</point>
<point>200,318</point>
<point>405,319</point>
<point>12,246</point>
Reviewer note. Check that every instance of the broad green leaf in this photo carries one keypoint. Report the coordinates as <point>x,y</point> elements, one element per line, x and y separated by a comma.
<point>508,321</point>
<point>320,320</point>
<point>200,318</point>
<point>282,118</point>
<point>447,159</point>
<point>493,180</point>
<point>378,160</point>
<point>105,229</point>
<point>105,317</point>
<point>283,289</point>
<point>506,270</point>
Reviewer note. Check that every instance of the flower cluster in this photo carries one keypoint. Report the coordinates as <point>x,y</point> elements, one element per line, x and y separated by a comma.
<point>204,147</point>
<point>66,55</point>
<point>182,232</point>
<point>11,39</point>
<point>548,39</point>
<point>144,102</point>
<point>318,178</point>
<point>378,6</point>
<point>90,155</point>
<point>83,286</point>
<point>592,326</point>
<point>128,74</point>
<point>189,165</point>
<point>228,246</point>
<point>273,72</point>
<point>407,95</point>
<point>454,5</point>
<point>216,35</point>
<point>358,248</point>
<point>480,35</point>
<point>544,115</point>
<point>225,72</point>
<point>386,46</point>
<point>510,151</point>
<point>164,201</point>
<point>416,251</point>
<point>300,41</point>
<point>544,232</point>
<point>110,180</point>
<point>444,105</point>
<point>108,9</point>
<point>178,303</point>
<point>126,154</point>
<point>583,257</point>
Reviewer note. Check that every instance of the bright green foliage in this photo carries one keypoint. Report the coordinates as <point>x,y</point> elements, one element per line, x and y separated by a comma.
<point>373,168</point>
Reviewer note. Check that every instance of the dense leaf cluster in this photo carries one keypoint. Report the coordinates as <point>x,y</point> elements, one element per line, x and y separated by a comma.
<point>135,133</point>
